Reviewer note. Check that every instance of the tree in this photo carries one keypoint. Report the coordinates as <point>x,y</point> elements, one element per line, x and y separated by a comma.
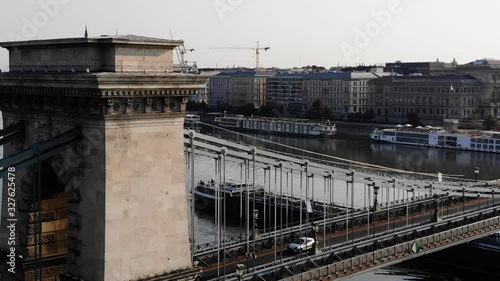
<point>368,115</point>
<point>326,113</point>
<point>247,110</point>
<point>194,106</point>
<point>225,107</point>
<point>203,106</point>
<point>271,110</point>
<point>318,111</point>
<point>191,106</point>
<point>358,116</point>
<point>312,114</point>
<point>317,104</point>
<point>490,122</point>
<point>413,119</point>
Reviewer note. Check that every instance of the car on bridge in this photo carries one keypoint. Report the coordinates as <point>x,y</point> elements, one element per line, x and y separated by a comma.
<point>302,244</point>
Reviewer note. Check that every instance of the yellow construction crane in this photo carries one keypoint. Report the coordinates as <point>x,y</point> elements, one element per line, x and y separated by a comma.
<point>256,49</point>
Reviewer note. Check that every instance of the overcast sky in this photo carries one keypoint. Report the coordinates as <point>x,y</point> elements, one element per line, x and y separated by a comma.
<point>299,32</point>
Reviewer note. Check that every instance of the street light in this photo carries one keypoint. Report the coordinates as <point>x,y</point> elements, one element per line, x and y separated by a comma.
<point>375,203</point>
<point>369,199</point>
<point>366,179</point>
<point>478,196</point>
<point>393,181</point>
<point>463,200</point>
<point>493,197</point>
<point>412,190</point>
<point>435,216</point>
<point>255,232</point>
<point>315,229</point>
<point>449,202</point>
<point>240,270</point>
<point>351,180</point>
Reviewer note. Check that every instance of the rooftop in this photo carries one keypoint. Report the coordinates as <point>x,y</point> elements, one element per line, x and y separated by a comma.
<point>428,78</point>
<point>482,63</point>
<point>247,73</point>
<point>103,39</point>
<point>485,61</point>
<point>106,53</point>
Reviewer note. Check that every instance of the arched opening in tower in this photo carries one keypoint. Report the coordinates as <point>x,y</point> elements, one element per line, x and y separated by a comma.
<point>47,245</point>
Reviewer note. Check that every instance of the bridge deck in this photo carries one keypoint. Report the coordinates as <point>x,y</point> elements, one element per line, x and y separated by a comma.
<point>351,238</point>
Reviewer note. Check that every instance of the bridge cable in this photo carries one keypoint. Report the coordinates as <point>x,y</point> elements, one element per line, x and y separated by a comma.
<point>351,162</point>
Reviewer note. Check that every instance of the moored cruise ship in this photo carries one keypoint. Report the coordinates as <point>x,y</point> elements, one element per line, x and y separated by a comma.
<point>296,127</point>
<point>484,141</point>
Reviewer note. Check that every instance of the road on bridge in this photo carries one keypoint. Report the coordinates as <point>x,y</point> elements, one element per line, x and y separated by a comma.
<point>343,238</point>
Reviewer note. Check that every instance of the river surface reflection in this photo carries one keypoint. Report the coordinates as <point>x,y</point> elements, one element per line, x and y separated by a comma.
<point>428,160</point>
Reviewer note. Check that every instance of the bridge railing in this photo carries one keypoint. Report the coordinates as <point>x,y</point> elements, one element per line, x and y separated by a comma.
<point>240,241</point>
<point>418,247</point>
<point>487,222</point>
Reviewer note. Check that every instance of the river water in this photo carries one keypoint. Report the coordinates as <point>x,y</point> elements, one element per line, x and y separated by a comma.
<point>429,160</point>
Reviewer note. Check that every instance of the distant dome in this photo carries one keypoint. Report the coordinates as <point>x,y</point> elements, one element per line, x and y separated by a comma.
<point>486,61</point>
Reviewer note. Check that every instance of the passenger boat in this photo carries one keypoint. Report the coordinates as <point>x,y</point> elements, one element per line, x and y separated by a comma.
<point>233,198</point>
<point>484,141</point>
<point>294,127</point>
<point>231,191</point>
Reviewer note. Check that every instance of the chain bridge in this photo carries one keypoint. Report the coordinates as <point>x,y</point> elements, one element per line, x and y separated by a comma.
<point>362,216</point>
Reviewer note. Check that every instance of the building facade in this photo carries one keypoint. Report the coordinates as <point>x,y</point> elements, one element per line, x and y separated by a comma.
<point>286,90</point>
<point>242,89</point>
<point>218,89</point>
<point>487,72</point>
<point>203,94</point>
<point>239,88</point>
<point>343,93</point>
<point>432,98</point>
<point>424,68</point>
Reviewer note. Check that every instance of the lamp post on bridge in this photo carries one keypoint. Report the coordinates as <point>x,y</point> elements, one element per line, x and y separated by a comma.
<point>375,203</point>
<point>255,234</point>
<point>240,270</point>
<point>368,208</point>
<point>435,216</point>
<point>463,201</point>
<point>478,203</point>
<point>393,181</point>
<point>375,200</point>
<point>315,229</point>
<point>493,197</point>
<point>449,202</point>
<point>412,190</point>
<point>347,182</point>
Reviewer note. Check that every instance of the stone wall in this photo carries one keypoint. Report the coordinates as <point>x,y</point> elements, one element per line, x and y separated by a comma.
<point>145,191</point>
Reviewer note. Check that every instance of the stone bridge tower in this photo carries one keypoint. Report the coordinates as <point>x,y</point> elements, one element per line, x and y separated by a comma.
<point>103,120</point>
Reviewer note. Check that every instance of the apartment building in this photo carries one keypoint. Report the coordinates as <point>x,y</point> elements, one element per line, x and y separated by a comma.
<point>218,89</point>
<point>286,90</point>
<point>239,88</point>
<point>424,68</point>
<point>487,72</point>
<point>342,92</point>
<point>432,97</point>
